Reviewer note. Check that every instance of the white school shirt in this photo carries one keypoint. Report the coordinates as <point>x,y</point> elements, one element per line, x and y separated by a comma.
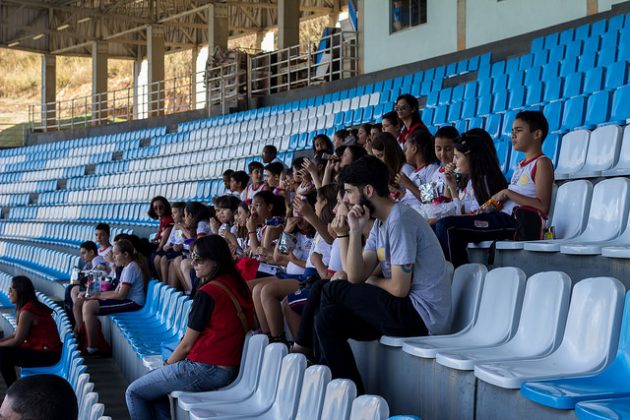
<point>522,182</point>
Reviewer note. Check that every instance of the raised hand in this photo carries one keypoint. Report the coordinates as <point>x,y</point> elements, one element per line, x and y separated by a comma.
<point>358,217</point>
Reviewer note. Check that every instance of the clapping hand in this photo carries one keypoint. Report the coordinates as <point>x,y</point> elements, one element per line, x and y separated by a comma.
<point>403,180</point>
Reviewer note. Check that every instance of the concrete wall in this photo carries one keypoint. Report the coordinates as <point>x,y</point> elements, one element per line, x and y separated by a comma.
<point>382,50</point>
<point>486,21</point>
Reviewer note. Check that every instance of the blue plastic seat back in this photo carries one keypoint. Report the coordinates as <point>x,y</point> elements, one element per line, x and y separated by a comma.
<point>616,75</point>
<point>573,85</point>
<point>553,112</point>
<point>597,108</point>
<point>594,80</point>
<point>552,89</point>
<point>573,115</point>
<point>621,105</point>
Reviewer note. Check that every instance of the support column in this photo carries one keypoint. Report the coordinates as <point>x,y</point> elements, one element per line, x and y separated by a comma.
<point>193,78</point>
<point>218,27</point>
<point>592,7</point>
<point>260,37</point>
<point>461,25</point>
<point>288,23</point>
<point>333,17</point>
<point>140,97</point>
<point>155,56</point>
<point>49,90</point>
<point>99,81</point>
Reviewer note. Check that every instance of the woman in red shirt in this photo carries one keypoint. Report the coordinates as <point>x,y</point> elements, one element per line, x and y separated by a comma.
<point>408,112</point>
<point>209,354</point>
<point>36,340</point>
<point>160,209</point>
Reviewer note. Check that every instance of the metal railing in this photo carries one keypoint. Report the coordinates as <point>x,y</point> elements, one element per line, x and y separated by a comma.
<point>334,57</point>
<point>217,90</point>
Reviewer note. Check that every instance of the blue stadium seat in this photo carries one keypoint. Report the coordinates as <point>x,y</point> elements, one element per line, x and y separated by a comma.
<point>499,104</point>
<point>553,112</point>
<point>515,79</point>
<point>616,75</point>
<point>553,89</point>
<point>597,109</point>
<point>566,36</point>
<point>582,32</point>
<point>525,62</point>
<point>499,83</point>
<point>573,115</point>
<point>454,112</point>
<point>620,111</point>
<point>598,28</point>
<point>540,57</point>
<point>493,125</point>
<point>503,147</point>
<point>517,98</point>
<point>573,85</point>
<point>587,60</point>
<point>427,114</point>
<point>551,40</point>
<point>433,98</point>
<point>484,105</point>
<point>534,94</point>
<point>458,93</point>
<point>469,108</point>
<point>568,66</point>
<point>439,116</point>
<point>594,80</point>
<point>615,23</point>
<point>608,52</point>
<point>551,147</point>
<point>470,90</point>
<point>445,96</point>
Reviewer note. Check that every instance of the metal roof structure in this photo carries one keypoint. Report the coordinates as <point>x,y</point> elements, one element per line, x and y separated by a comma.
<point>70,27</point>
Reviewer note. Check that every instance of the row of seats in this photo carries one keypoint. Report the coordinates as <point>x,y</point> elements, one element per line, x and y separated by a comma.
<point>28,187</point>
<point>272,384</point>
<point>71,365</point>
<point>136,336</point>
<point>511,330</point>
<point>83,145</point>
<point>43,175</point>
<point>70,235</point>
<point>587,219</point>
<point>46,263</point>
<point>128,214</point>
<point>267,386</point>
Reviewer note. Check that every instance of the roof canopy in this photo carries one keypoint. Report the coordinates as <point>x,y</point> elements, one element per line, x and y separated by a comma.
<point>69,27</point>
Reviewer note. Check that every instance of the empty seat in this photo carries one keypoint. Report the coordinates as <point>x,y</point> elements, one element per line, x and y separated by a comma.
<point>606,219</point>
<point>316,378</point>
<point>588,344</point>
<point>607,409</point>
<point>603,152</point>
<point>369,407</point>
<point>572,153</point>
<point>338,399</point>
<point>465,294</point>
<point>612,382</point>
<point>496,322</point>
<point>540,327</point>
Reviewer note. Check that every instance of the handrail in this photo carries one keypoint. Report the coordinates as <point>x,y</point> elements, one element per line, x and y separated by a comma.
<point>217,90</point>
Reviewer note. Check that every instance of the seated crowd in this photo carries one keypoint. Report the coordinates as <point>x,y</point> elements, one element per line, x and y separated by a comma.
<point>351,243</point>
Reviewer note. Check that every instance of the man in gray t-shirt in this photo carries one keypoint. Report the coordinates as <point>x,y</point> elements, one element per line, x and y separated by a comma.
<point>397,284</point>
<point>403,239</point>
